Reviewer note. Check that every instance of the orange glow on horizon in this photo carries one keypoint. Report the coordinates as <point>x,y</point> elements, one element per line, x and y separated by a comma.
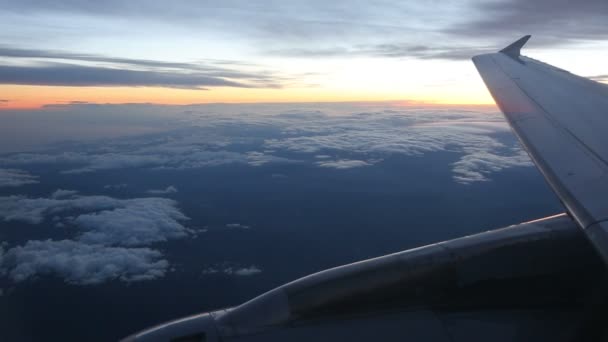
<point>21,97</point>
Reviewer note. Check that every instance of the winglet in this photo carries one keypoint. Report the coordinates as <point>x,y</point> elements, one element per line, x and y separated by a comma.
<point>514,50</point>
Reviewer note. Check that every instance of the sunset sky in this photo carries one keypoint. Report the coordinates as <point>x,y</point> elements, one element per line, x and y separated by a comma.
<point>280,51</point>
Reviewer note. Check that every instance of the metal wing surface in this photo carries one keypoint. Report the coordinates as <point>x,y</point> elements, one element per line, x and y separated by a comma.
<point>562,121</point>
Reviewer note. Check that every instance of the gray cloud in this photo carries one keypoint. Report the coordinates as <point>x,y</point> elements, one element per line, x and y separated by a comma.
<point>13,52</point>
<point>343,164</point>
<point>14,177</point>
<point>232,270</point>
<point>294,19</point>
<point>34,210</point>
<point>550,21</point>
<point>237,226</point>
<point>168,190</point>
<point>61,193</point>
<point>82,264</point>
<point>83,76</point>
<point>390,50</point>
<point>171,155</point>
<point>50,67</point>
<point>115,186</point>
<point>453,31</point>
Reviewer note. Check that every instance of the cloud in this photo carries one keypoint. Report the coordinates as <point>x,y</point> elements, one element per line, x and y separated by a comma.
<point>34,210</point>
<point>599,78</point>
<point>243,272</point>
<point>82,264</point>
<point>236,271</point>
<point>391,50</point>
<point>580,21</point>
<point>60,193</point>
<point>14,177</point>
<point>237,226</point>
<point>168,190</point>
<point>57,68</point>
<point>172,155</point>
<point>259,159</point>
<point>90,76</point>
<point>343,164</point>
<point>102,219</point>
<point>115,186</point>
<point>410,133</point>
<point>361,135</point>
<point>140,222</point>
<point>476,167</point>
<point>109,239</point>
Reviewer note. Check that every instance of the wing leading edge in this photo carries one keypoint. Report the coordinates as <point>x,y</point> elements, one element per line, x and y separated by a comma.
<point>561,120</point>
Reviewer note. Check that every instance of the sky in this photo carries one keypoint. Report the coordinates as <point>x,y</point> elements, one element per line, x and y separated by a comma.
<point>229,51</point>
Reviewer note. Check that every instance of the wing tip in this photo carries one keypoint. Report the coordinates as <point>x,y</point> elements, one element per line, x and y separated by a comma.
<point>514,50</point>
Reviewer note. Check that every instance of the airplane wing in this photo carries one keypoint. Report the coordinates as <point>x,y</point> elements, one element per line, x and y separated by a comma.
<point>562,121</point>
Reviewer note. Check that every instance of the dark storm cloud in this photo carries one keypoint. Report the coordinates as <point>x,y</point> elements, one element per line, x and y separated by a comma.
<point>550,21</point>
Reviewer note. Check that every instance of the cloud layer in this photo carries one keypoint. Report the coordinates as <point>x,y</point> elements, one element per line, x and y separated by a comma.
<point>352,139</point>
<point>116,239</point>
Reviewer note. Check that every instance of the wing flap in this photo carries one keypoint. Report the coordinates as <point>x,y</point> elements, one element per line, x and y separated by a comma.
<point>561,120</point>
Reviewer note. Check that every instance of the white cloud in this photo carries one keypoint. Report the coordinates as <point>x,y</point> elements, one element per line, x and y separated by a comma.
<point>141,221</point>
<point>476,167</point>
<point>15,177</point>
<point>104,219</point>
<point>81,263</point>
<point>102,249</point>
<point>343,164</point>
<point>411,133</point>
<point>60,193</point>
<point>259,159</point>
<point>350,139</point>
<point>168,190</point>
